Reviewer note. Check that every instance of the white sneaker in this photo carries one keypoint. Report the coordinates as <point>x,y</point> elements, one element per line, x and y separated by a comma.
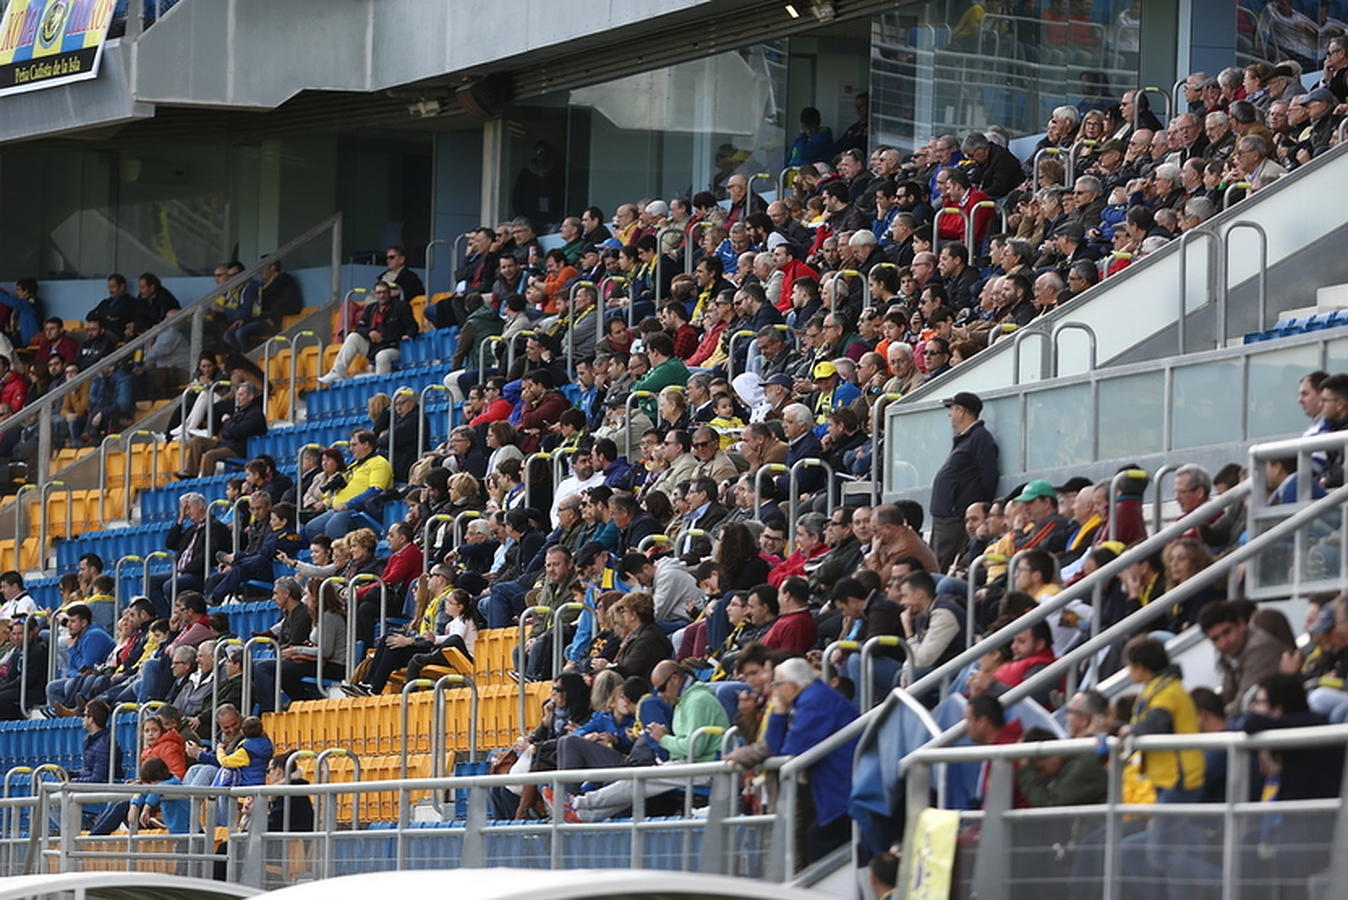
<point>330,378</point>
<point>198,432</point>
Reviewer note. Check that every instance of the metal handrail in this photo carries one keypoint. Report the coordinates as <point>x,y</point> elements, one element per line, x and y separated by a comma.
<point>240,505</point>
<point>430,260</point>
<point>826,661</point>
<point>299,470</point>
<point>24,654</point>
<point>456,534</point>
<point>352,601</point>
<point>685,542</point>
<point>1181,325</point>
<point>1225,281</point>
<point>730,352</point>
<point>422,446</point>
<point>867,686</point>
<point>1246,186</point>
<point>540,456</point>
<point>293,766</point>
<point>412,684</point>
<point>1032,330</point>
<point>247,697</point>
<point>971,579</point>
<point>530,614</point>
<point>483,344</point>
<point>206,540</point>
<point>294,385</point>
<point>145,573</point>
<point>117,578</point>
<point>632,397</point>
<point>442,685</point>
<point>130,707</point>
<point>323,773</point>
<point>44,494</point>
<point>217,675</point>
<point>765,469</point>
<point>696,238</point>
<point>559,456</point>
<point>651,540</point>
<point>102,477</point>
<point>130,439</point>
<point>1137,107</point>
<point>781,179</point>
<point>846,274</point>
<point>877,444</point>
<point>1070,326</point>
<point>793,498</point>
<point>558,632</point>
<point>147,706</point>
<point>1052,151</point>
<point>266,370</point>
<point>347,301</point>
<point>936,231</point>
<point>427,561</point>
<point>660,257</point>
<point>1158,480</point>
<point>573,321</point>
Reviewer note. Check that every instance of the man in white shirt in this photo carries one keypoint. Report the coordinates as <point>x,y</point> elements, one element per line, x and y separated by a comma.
<point>582,476</point>
<point>17,600</point>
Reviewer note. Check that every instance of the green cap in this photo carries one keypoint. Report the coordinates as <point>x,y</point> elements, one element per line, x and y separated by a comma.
<point>1036,489</point>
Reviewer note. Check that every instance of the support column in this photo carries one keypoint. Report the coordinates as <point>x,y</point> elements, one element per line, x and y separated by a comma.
<point>493,151</point>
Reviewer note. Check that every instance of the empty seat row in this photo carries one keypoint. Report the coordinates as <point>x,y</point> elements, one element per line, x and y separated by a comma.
<point>1299,325</point>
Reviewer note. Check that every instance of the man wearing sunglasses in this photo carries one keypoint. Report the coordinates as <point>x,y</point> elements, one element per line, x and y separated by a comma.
<point>398,274</point>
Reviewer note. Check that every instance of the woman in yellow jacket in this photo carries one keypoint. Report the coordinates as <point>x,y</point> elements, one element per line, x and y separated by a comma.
<point>367,478</point>
<point>1161,854</point>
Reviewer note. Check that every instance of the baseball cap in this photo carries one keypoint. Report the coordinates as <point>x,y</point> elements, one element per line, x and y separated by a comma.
<point>1036,489</point>
<point>1073,230</point>
<point>1324,95</point>
<point>1074,484</point>
<point>780,380</point>
<point>1324,621</point>
<point>825,369</point>
<point>965,399</point>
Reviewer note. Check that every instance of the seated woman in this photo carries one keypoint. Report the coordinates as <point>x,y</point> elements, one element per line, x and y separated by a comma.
<point>439,623</point>
<point>565,710</point>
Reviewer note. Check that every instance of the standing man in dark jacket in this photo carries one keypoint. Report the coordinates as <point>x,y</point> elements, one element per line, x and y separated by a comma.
<point>239,420</point>
<point>383,325</point>
<point>968,475</point>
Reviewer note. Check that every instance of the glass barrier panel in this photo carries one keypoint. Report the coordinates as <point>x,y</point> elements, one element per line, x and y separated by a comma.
<point>1002,416</point>
<point>1058,427</point>
<point>920,444</point>
<point>1336,355</point>
<point>1273,381</point>
<point>1132,415</point>
<point>1207,402</point>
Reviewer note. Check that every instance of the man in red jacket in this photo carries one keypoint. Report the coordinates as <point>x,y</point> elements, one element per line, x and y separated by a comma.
<point>400,570</point>
<point>794,630</point>
<point>13,386</point>
<point>960,193</point>
<point>542,407</point>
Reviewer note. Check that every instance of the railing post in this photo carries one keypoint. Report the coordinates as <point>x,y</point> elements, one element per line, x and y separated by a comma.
<point>292,766</point>
<point>413,684</point>
<point>1158,480</point>
<point>247,698</point>
<point>145,437</point>
<point>102,480</point>
<point>266,369</point>
<point>628,405</point>
<point>541,455</point>
<point>422,446</point>
<point>112,736</point>
<point>441,686</point>
<point>1225,281</point>
<point>145,573</point>
<point>558,632</point>
<point>878,445</point>
<point>529,615</point>
<point>793,500</point>
<point>826,661</point>
<point>427,561</point>
<point>1028,331</point>
<point>221,650</point>
<point>117,577</point>
<point>346,304</point>
<point>430,261</point>
<point>299,338</point>
<point>483,345</point>
<point>730,353</point>
<point>866,689</point>
<point>1071,326</point>
<point>1114,483</point>
<point>765,469</point>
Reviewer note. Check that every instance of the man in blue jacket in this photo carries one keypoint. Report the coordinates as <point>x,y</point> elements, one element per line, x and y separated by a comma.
<point>89,647</point>
<point>804,712</point>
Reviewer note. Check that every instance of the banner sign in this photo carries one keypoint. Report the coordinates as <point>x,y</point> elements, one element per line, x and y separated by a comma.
<point>928,863</point>
<point>45,43</point>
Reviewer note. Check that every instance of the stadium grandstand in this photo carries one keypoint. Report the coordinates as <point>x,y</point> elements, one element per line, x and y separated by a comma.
<point>878,448</point>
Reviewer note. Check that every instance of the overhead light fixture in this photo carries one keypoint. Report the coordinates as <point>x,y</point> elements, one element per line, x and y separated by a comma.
<point>792,12</point>
<point>822,10</point>
<point>426,108</point>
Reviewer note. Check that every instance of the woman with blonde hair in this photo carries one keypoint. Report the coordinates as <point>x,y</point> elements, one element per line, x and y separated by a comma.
<point>1186,559</point>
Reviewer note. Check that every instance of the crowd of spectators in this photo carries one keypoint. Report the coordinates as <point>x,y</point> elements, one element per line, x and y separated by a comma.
<point>708,594</point>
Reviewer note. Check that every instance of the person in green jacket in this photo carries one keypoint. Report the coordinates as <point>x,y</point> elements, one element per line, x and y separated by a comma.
<point>695,706</point>
<point>483,322</point>
<point>666,369</point>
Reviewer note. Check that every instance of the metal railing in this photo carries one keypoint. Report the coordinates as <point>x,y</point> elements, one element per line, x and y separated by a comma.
<point>994,873</point>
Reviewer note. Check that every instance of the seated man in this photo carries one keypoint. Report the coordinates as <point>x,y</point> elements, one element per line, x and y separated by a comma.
<point>255,564</point>
<point>27,665</point>
<point>86,649</point>
<point>187,539</point>
<point>695,706</point>
<point>383,324</point>
<point>239,419</point>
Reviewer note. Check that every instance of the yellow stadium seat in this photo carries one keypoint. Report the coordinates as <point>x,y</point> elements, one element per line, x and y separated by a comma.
<point>144,463</point>
<point>278,404</point>
<point>29,558</point>
<point>116,469</point>
<point>418,305</point>
<point>290,321</point>
<point>279,367</point>
<point>307,370</point>
<point>7,554</point>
